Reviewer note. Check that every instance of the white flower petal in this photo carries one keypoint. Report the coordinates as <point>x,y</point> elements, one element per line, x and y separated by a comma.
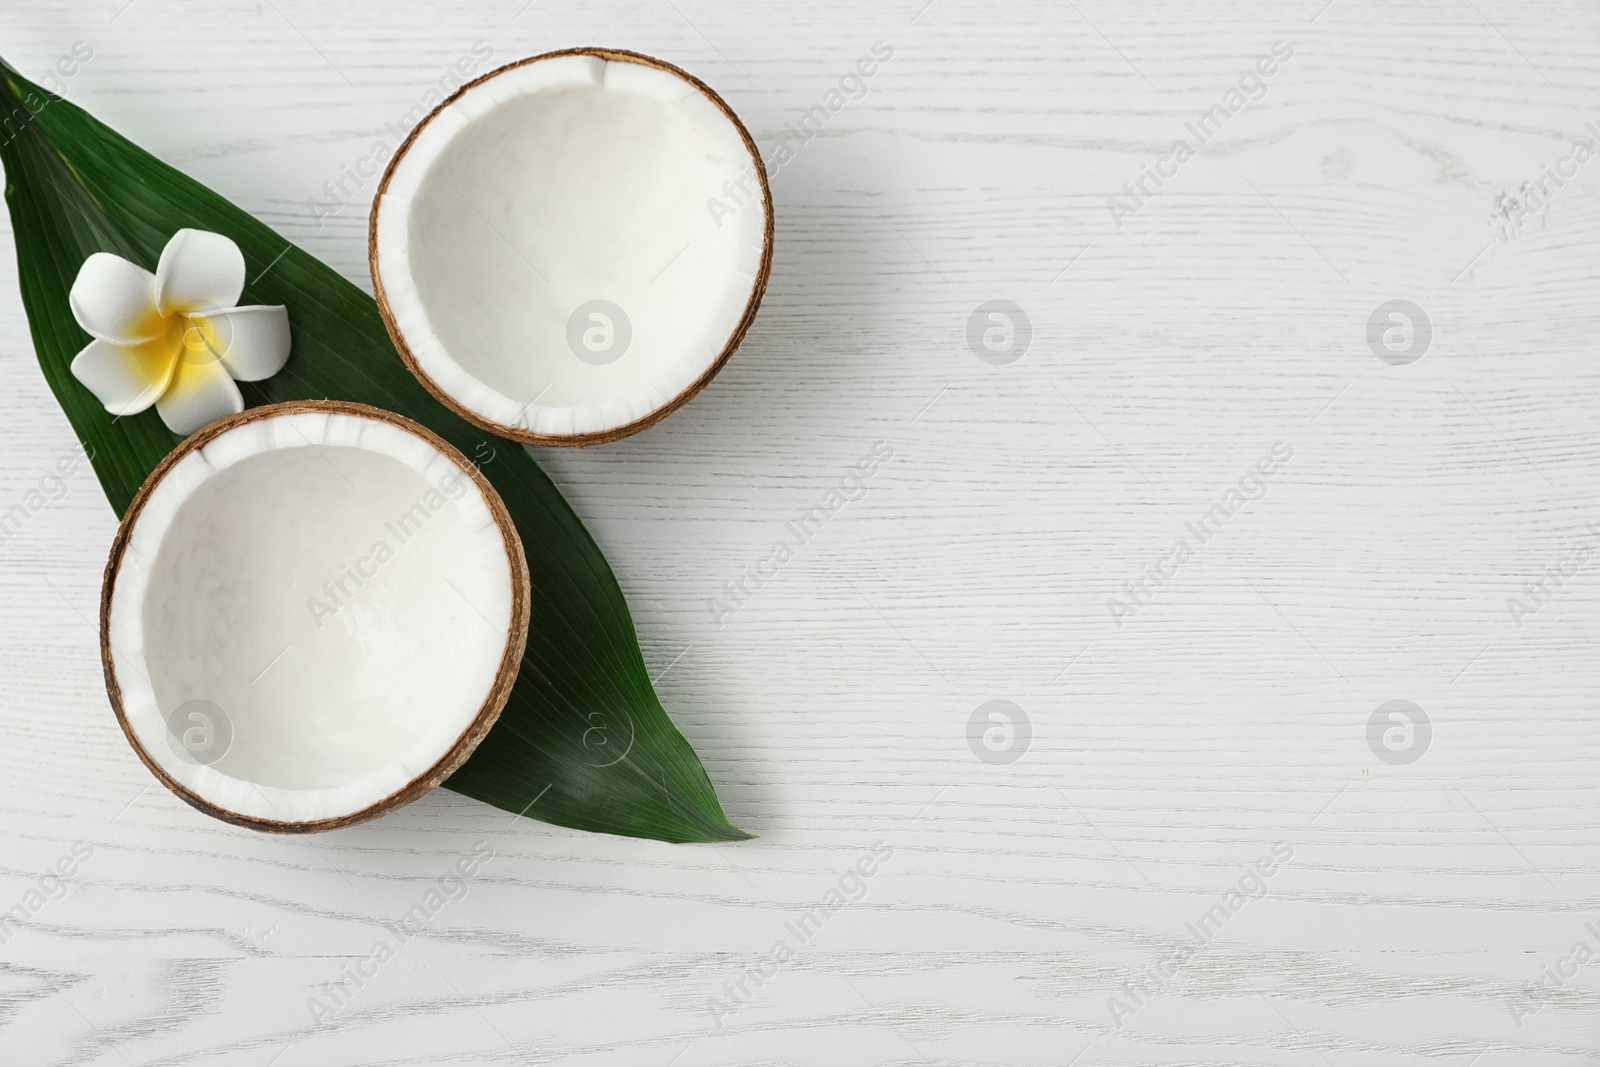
<point>252,341</point>
<point>201,392</point>
<point>125,378</point>
<point>115,300</point>
<point>199,270</point>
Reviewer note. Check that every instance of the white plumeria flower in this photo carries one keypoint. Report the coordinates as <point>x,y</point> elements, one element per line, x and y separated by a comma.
<point>174,338</point>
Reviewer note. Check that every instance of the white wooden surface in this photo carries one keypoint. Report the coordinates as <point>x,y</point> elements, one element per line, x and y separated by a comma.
<point>1387,160</point>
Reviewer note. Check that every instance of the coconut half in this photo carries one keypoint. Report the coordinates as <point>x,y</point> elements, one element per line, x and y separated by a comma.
<point>569,248</point>
<point>312,614</point>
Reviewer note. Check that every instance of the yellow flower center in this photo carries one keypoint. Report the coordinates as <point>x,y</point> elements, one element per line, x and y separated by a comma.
<point>187,339</point>
<point>194,338</point>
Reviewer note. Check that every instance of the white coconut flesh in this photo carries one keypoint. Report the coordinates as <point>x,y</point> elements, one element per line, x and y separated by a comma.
<point>541,202</point>
<point>335,588</point>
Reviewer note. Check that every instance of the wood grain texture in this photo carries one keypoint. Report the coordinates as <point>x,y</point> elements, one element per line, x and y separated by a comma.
<point>1390,158</point>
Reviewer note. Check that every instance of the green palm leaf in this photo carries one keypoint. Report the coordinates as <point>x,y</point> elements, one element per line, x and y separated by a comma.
<point>583,741</point>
